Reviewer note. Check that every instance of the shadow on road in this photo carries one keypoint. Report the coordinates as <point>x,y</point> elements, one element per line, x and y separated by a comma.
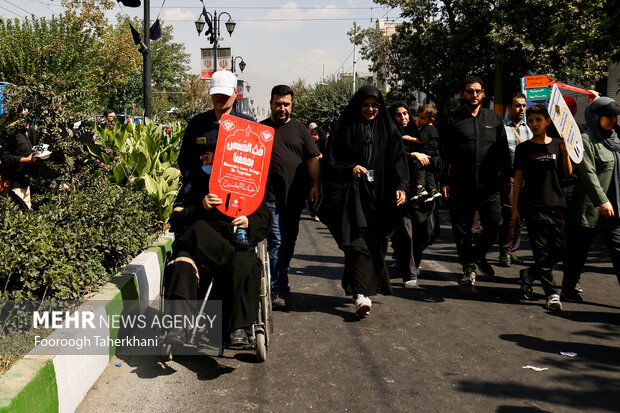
<point>311,303</point>
<point>148,367</point>
<point>597,393</point>
<point>597,356</point>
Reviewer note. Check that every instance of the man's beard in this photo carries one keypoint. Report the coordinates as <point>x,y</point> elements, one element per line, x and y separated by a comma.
<point>471,105</point>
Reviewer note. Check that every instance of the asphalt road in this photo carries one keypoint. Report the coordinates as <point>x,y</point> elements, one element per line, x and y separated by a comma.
<point>441,348</point>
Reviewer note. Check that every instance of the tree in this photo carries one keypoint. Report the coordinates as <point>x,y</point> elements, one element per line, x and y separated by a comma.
<point>170,65</point>
<point>196,93</point>
<point>54,49</point>
<point>121,81</point>
<point>322,103</point>
<point>440,42</point>
<point>298,86</point>
<point>88,13</point>
<point>566,39</point>
<point>121,85</point>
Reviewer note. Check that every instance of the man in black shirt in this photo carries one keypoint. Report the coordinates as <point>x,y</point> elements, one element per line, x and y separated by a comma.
<point>477,164</point>
<point>294,166</point>
<point>201,136</point>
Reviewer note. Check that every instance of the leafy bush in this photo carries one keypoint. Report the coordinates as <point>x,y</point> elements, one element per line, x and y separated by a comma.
<point>73,243</point>
<point>142,157</point>
<point>323,103</point>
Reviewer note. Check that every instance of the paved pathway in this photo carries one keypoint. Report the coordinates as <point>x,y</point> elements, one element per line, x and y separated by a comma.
<point>441,348</point>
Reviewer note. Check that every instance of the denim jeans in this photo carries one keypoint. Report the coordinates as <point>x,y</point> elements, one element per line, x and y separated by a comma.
<point>281,244</point>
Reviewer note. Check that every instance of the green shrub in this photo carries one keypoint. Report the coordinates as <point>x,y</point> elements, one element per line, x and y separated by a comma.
<point>73,243</point>
<point>142,157</point>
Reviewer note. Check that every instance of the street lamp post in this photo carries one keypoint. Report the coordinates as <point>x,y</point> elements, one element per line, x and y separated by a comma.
<point>215,31</point>
<point>241,64</point>
<point>146,60</point>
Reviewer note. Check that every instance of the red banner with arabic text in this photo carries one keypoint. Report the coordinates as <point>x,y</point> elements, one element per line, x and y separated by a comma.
<point>240,165</point>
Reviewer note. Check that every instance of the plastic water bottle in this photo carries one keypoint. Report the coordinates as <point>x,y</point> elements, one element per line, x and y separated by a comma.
<point>242,236</point>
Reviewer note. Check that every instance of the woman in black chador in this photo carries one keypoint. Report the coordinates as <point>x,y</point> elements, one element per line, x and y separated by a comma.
<point>365,177</point>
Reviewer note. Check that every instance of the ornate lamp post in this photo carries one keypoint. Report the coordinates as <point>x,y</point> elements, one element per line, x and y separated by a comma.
<point>241,64</point>
<point>215,30</point>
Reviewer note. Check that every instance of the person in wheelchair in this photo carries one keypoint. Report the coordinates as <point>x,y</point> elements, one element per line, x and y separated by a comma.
<point>206,246</point>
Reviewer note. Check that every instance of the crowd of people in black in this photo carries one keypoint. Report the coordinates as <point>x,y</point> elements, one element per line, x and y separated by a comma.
<point>381,173</point>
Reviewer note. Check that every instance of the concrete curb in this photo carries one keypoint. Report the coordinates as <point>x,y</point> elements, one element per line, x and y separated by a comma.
<point>58,383</point>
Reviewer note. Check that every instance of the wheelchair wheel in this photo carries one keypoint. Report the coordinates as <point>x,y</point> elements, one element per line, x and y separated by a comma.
<point>265,292</point>
<point>261,345</point>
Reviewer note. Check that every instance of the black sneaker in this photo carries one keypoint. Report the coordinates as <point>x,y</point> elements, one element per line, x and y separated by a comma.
<point>238,338</point>
<point>571,297</point>
<point>485,268</point>
<point>516,260</point>
<point>504,260</point>
<point>468,278</point>
<point>420,192</point>
<point>526,284</point>
<point>278,302</point>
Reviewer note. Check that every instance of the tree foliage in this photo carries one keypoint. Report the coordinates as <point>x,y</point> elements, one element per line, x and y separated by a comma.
<point>55,50</point>
<point>440,42</point>
<point>121,64</point>
<point>322,103</point>
<point>88,13</point>
<point>196,96</point>
<point>98,64</point>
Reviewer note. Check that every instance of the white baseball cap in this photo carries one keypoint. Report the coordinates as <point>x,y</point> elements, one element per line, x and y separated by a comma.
<point>223,82</point>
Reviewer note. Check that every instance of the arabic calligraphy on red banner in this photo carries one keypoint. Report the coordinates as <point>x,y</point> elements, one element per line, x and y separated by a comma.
<point>241,164</point>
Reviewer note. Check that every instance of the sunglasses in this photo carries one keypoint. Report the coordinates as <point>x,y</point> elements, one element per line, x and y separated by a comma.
<point>474,91</point>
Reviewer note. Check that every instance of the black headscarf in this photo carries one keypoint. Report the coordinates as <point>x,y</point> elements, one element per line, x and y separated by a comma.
<point>322,142</point>
<point>609,139</point>
<point>349,203</point>
<point>411,129</point>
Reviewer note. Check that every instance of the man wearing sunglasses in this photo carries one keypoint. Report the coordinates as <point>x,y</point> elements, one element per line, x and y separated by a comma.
<point>477,164</point>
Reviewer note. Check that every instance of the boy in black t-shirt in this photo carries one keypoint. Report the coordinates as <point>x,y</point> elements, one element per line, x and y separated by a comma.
<point>429,145</point>
<point>540,164</point>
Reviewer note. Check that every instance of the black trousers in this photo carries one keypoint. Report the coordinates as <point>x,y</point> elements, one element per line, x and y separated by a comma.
<point>509,233</point>
<point>429,175</point>
<point>579,240</point>
<point>201,254</point>
<point>547,241</point>
<point>365,271</point>
<point>462,210</point>
<point>407,250</point>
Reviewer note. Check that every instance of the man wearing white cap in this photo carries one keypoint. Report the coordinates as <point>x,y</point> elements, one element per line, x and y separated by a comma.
<point>201,136</point>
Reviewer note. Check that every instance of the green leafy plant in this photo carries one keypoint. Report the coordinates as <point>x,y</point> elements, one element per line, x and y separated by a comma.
<point>73,243</point>
<point>142,157</point>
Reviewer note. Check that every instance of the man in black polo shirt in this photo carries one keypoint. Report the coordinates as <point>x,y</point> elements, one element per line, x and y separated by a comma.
<point>477,165</point>
<point>201,136</point>
<point>294,170</point>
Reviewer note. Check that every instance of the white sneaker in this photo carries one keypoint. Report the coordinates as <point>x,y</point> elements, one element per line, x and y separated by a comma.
<point>412,284</point>
<point>362,305</point>
<point>553,302</point>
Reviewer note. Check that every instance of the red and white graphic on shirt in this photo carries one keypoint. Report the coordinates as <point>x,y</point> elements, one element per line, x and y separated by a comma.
<point>240,165</point>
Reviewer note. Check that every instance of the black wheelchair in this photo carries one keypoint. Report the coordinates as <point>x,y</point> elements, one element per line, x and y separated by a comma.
<point>259,333</point>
